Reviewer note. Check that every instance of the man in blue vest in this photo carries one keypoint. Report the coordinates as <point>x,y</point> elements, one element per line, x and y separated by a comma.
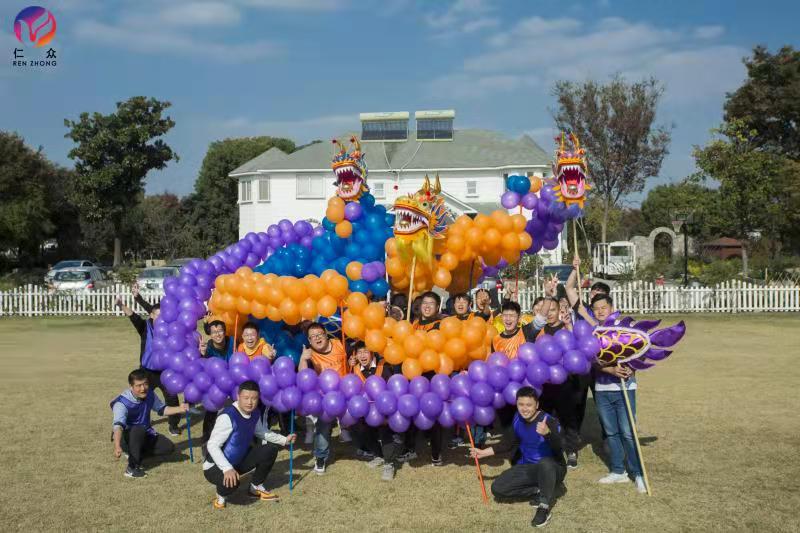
<point>131,429</point>
<point>146,351</point>
<point>232,450</point>
<point>538,463</point>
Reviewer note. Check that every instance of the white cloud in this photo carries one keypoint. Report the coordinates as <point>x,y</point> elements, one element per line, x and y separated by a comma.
<point>480,24</point>
<point>461,17</point>
<point>304,130</point>
<point>469,87</point>
<point>299,5</point>
<point>708,32</point>
<point>156,41</point>
<point>200,14</point>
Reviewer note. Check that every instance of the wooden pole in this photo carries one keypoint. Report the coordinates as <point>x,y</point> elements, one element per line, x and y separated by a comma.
<point>411,288</point>
<point>478,468</point>
<point>575,254</point>
<point>291,453</point>
<point>635,435</point>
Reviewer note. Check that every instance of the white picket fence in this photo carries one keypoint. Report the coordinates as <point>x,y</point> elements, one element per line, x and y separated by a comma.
<point>637,297</point>
<point>733,296</point>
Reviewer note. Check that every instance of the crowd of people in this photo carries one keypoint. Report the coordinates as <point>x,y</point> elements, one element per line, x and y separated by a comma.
<point>545,426</point>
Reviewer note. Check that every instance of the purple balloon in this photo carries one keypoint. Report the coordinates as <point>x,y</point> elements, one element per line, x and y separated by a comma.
<point>292,397</point>
<point>374,386</point>
<point>285,225</point>
<point>311,404</point>
<point>215,366</point>
<point>277,402</point>
<point>548,350</point>
<point>176,383</point>
<point>282,363</point>
<point>582,329</point>
<point>177,362</point>
<point>368,273</point>
<point>557,374</point>
<point>334,404</point>
<point>565,340</point>
<point>481,394</point>
<point>225,382</point>
<point>358,406</point>
<point>286,378</point>
<point>307,379</point>
<point>440,384</point>
<point>423,422</point>
<point>483,415</point>
<point>346,420</point>
<point>478,371</point>
<point>461,384</point>
<point>530,201</point>
<point>516,370</point>
<point>575,362</point>
<point>193,367</point>
<point>203,382</point>
<point>353,211</point>
<point>374,418</point>
<point>397,422</point>
<point>497,359</point>
<point>261,364</point>
<point>510,392</point>
<point>590,346</point>
<point>419,386</point>
<point>239,373</point>
<point>431,404</point>
<point>408,405</point>
<point>461,409</point>
<point>328,380</point>
<point>192,394</point>
<point>269,386</point>
<point>498,377</point>
<point>302,228</point>
<point>526,352</point>
<point>445,418</point>
<point>319,231</point>
<point>176,344</point>
<point>386,402</point>
<point>307,241</point>
<point>538,372</point>
<point>398,384</point>
<point>498,401</point>
<point>239,358</point>
<point>351,385</point>
<point>510,199</point>
<point>217,395</point>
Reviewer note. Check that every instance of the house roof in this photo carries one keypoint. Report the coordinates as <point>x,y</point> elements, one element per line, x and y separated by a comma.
<point>472,148</point>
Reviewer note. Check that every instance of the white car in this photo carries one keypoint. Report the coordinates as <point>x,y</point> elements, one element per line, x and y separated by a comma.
<point>153,277</point>
<point>79,279</point>
<point>61,265</point>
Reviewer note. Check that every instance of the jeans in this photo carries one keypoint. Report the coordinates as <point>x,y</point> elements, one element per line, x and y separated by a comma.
<point>259,458</point>
<point>322,438</point>
<point>525,481</point>
<point>614,419</point>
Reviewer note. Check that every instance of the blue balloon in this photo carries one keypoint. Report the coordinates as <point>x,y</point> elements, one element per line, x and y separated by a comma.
<point>379,288</point>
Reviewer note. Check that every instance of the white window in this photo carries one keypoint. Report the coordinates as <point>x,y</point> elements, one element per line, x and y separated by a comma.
<point>310,187</point>
<point>245,191</point>
<point>379,189</point>
<point>472,189</point>
<point>263,190</point>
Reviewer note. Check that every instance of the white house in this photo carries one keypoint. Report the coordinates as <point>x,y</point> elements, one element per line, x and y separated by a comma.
<point>472,165</point>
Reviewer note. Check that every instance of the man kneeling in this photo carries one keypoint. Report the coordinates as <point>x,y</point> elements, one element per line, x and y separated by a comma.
<point>232,452</point>
<point>131,429</point>
<point>538,464</point>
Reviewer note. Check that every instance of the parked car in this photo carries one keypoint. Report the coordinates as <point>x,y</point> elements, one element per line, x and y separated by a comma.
<point>153,277</point>
<point>179,262</point>
<point>79,279</point>
<point>71,263</point>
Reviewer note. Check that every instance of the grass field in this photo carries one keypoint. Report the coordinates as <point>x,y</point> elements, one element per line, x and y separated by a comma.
<point>721,419</point>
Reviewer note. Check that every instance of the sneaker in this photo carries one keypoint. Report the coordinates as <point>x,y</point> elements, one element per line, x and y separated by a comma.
<point>344,436</point>
<point>397,438</point>
<point>436,461</point>
<point>218,503</point>
<point>641,488</point>
<point>175,432</point>
<point>263,494</point>
<point>364,454</point>
<point>542,516</point>
<point>388,472</point>
<point>319,466</point>
<point>135,472</point>
<point>572,460</point>
<point>375,463</point>
<point>455,443</point>
<point>407,456</point>
<point>613,478</point>
<point>535,500</point>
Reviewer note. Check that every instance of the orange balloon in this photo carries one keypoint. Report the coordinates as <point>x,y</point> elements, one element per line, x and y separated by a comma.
<point>273,313</point>
<point>455,243</point>
<point>244,271</point>
<point>491,238</point>
<point>353,270</point>
<point>518,222</point>
<point>289,308</point>
<point>491,257</point>
<point>411,368</point>
<point>475,236</point>
<point>463,222</point>
<point>243,306</point>
<point>338,287</point>
<point>478,353</point>
<point>436,339</point>
<point>445,364</point>
<point>525,240</point>
<point>448,261</point>
<point>455,348</point>
<point>512,256</point>
<point>326,306</point>
<point>328,276</point>
<point>344,229</point>
<point>258,310</point>
<point>261,293</point>
<point>297,291</point>
<point>394,354</point>
<point>442,278</point>
<point>275,296</point>
<point>510,242</point>
<point>502,221</point>
<point>422,284</point>
<point>227,302</point>
<point>395,267</point>
<point>473,336</point>
<point>390,247</point>
<point>402,330</point>
<point>401,284</point>
<point>314,286</point>
<point>374,315</point>
<point>308,309</point>
<point>483,222</point>
<point>429,360</point>
<point>451,327</point>
<point>356,302</point>
<point>413,345</point>
<point>353,326</point>
<point>388,325</point>
<point>335,210</point>
<point>375,340</point>
<point>536,183</point>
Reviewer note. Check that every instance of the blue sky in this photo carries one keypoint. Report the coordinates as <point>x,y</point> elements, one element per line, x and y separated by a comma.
<point>306,68</point>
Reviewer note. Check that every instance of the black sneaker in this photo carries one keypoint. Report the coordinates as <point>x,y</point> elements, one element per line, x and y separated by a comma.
<point>535,500</point>
<point>572,460</point>
<point>319,466</point>
<point>436,461</point>
<point>135,472</point>
<point>175,432</point>
<point>542,516</point>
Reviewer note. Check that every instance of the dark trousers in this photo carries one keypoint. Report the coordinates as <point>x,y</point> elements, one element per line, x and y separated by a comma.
<point>209,419</point>
<point>138,444</point>
<point>154,378</point>
<point>260,457</point>
<point>505,415</point>
<point>435,434</point>
<point>378,441</point>
<point>564,401</point>
<point>525,481</point>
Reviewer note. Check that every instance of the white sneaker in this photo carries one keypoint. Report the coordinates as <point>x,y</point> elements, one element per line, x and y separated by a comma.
<point>344,436</point>
<point>375,463</point>
<point>614,478</point>
<point>640,486</point>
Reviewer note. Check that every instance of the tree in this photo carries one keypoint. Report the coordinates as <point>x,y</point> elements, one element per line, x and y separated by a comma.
<point>662,200</point>
<point>769,101</point>
<point>113,155</point>
<point>162,221</point>
<point>26,177</point>
<point>214,210</point>
<point>615,124</point>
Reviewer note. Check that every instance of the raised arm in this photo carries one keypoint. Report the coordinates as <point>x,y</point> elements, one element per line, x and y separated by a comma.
<point>137,297</point>
<point>572,282</point>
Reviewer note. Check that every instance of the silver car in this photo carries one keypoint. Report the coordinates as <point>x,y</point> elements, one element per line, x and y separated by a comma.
<point>153,277</point>
<point>79,279</point>
<point>61,265</point>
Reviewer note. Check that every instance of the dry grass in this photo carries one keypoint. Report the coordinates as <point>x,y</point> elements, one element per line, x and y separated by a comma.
<point>721,421</point>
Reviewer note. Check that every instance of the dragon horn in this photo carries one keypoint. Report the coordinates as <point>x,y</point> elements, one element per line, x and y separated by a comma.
<point>426,185</point>
<point>646,325</point>
<point>563,142</point>
<point>626,322</point>
<point>354,141</point>
<point>437,187</point>
<point>670,336</point>
<point>575,141</point>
